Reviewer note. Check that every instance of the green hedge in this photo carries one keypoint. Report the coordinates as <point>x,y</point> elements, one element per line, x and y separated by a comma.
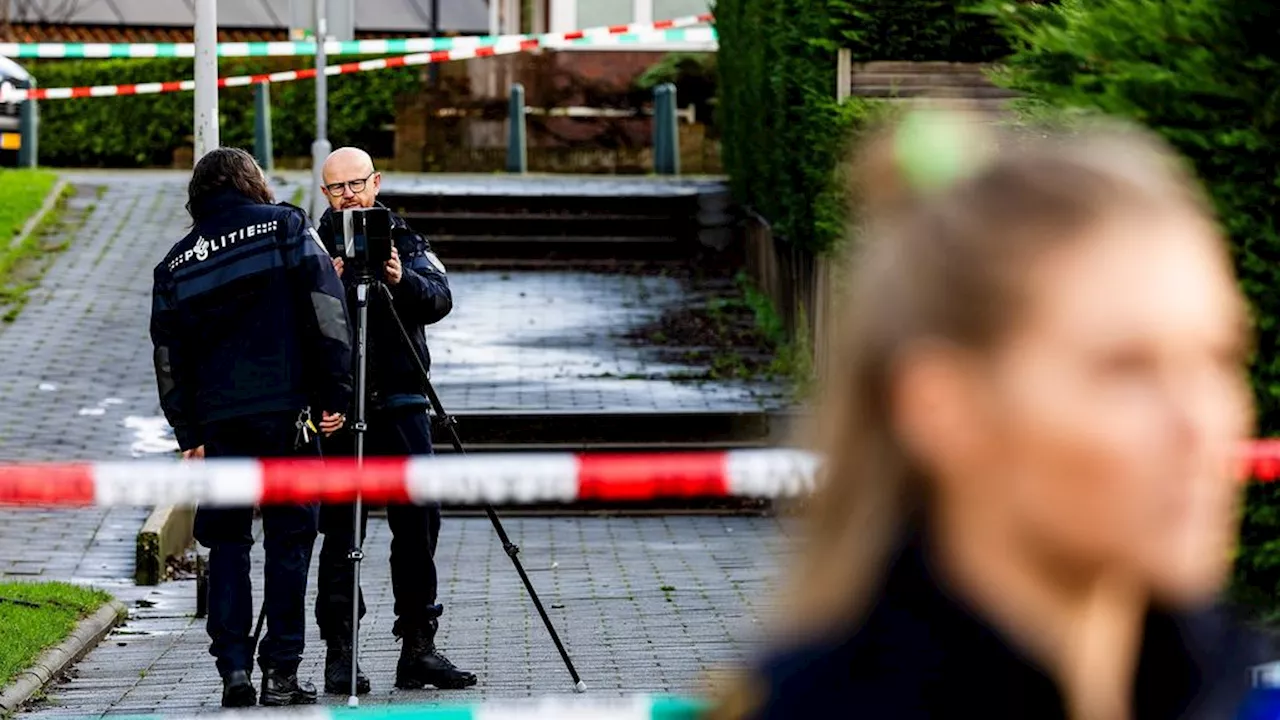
<point>1204,74</point>
<point>144,130</point>
<point>784,134</point>
<point>918,30</point>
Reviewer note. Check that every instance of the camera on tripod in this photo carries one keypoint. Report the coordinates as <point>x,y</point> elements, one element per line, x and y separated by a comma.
<point>366,240</point>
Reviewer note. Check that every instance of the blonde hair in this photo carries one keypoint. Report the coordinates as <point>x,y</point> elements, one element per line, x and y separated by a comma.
<point>941,260</point>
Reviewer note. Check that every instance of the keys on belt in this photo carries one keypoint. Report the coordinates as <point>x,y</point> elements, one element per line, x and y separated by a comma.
<point>305,427</point>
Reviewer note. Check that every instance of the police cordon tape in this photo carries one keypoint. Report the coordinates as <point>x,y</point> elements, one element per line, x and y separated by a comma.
<point>521,478</point>
<point>308,47</point>
<point>510,46</point>
<point>454,479</point>
<point>632,708</point>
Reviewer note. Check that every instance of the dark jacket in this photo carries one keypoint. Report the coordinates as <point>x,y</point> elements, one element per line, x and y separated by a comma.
<point>922,654</point>
<point>422,297</point>
<point>248,318</point>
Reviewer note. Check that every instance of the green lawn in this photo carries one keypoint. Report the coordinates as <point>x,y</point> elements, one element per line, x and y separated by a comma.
<point>24,192</point>
<point>36,616</point>
<point>22,265</point>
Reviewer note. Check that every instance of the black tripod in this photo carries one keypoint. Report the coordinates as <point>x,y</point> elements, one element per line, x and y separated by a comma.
<point>364,282</point>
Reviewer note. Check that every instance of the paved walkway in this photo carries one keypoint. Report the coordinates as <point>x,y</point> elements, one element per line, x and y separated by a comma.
<point>79,385</point>
<point>642,604</point>
<point>75,371</point>
<point>551,340</point>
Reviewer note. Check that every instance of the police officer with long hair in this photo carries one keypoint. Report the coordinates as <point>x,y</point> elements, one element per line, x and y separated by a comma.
<point>251,338</point>
<point>1029,495</point>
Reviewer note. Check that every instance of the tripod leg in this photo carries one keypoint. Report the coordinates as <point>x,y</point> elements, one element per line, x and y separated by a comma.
<point>512,550</point>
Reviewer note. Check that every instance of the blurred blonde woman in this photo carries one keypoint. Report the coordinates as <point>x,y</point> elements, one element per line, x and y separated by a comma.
<point>1029,503</point>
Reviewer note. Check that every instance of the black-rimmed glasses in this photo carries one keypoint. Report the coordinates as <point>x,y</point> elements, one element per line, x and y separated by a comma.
<point>357,186</point>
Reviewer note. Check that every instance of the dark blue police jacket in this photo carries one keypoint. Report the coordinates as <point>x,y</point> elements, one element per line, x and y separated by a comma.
<point>248,317</point>
<point>422,297</point>
<point>922,653</point>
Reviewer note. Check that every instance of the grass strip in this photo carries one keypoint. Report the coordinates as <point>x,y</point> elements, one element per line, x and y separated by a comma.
<point>38,616</point>
<point>21,263</point>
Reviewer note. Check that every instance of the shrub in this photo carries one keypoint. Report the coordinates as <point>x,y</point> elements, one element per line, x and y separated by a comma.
<point>785,136</point>
<point>144,130</point>
<point>693,74</point>
<point>784,133</point>
<point>917,30</point>
<point>1205,74</point>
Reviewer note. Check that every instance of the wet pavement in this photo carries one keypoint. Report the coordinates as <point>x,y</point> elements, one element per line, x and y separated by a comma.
<point>553,340</point>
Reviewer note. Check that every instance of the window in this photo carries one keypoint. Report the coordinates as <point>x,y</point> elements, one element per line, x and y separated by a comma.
<point>670,9</point>
<point>595,13</point>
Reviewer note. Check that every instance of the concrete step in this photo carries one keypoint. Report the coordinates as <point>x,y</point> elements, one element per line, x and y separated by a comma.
<point>532,204</point>
<point>511,250</point>
<point>983,106</point>
<point>591,430</point>
<point>549,225</point>
<point>976,92</point>
<point>976,79</point>
<point>911,68</point>
<point>631,266</point>
<point>691,506</point>
<point>567,227</point>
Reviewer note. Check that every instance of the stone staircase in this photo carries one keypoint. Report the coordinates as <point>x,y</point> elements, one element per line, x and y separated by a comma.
<point>959,85</point>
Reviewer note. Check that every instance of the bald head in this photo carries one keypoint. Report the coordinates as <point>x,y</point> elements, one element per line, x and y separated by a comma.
<point>345,170</point>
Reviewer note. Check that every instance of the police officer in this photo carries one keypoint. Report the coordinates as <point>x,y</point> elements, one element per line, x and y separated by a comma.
<point>398,425</point>
<point>250,331</point>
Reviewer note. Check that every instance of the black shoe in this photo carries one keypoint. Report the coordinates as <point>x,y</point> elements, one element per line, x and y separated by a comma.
<point>337,671</point>
<point>280,689</point>
<point>237,690</point>
<point>421,664</point>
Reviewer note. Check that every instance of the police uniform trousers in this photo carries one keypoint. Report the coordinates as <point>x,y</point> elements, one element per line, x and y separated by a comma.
<point>415,530</point>
<point>289,536</point>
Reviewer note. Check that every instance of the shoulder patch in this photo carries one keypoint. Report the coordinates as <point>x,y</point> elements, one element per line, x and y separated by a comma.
<point>435,262</point>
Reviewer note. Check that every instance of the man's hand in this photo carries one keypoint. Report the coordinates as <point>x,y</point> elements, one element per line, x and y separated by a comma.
<point>338,264</point>
<point>193,454</point>
<point>394,271</point>
<point>331,423</point>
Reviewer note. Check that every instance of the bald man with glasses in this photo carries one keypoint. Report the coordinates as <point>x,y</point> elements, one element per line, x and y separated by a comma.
<point>398,425</point>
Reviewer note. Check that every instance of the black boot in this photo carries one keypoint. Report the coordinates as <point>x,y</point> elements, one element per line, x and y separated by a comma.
<point>337,669</point>
<point>237,690</point>
<point>280,688</point>
<point>421,665</point>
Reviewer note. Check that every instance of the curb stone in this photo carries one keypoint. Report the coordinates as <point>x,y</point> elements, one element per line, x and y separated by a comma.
<point>50,202</point>
<point>166,533</point>
<point>55,661</point>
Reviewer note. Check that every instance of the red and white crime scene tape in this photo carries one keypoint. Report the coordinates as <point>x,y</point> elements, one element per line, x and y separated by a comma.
<point>455,479</point>
<point>664,31</point>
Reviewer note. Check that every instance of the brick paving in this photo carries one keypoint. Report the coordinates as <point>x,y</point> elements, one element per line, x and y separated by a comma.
<point>656,604</point>
<point>76,371</point>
